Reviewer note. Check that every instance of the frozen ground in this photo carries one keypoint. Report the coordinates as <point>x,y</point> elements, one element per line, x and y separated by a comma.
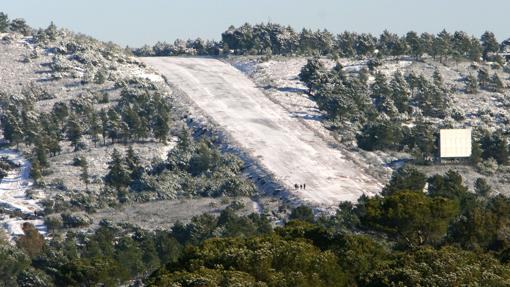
<point>278,78</point>
<point>281,143</point>
<point>279,81</point>
<point>163,214</point>
<point>13,196</point>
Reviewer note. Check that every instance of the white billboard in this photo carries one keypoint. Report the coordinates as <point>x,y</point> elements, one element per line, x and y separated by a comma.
<point>455,143</point>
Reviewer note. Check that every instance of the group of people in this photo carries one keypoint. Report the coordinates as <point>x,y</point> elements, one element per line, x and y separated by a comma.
<point>300,186</point>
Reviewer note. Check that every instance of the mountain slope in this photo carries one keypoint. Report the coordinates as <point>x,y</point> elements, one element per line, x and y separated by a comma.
<point>282,144</point>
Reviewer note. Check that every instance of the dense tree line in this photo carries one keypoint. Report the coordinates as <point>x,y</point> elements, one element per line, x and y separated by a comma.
<point>198,168</point>
<point>439,236</point>
<point>137,116</point>
<point>380,110</point>
<point>275,39</point>
<point>112,254</point>
<point>427,231</point>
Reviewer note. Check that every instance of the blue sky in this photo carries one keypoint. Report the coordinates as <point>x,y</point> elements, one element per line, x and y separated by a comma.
<point>134,23</point>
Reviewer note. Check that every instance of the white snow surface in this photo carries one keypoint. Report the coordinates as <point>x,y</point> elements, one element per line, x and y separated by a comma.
<point>13,196</point>
<point>279,142</point>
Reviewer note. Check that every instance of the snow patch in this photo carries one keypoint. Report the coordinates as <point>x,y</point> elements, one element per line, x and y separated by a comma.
<point>13,196</point>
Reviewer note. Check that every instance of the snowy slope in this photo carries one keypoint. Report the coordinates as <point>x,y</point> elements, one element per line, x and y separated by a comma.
<point>279,142</point>
<point>13,195</point>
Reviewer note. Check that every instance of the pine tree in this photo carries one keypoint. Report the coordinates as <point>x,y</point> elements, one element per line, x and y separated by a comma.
<point>311,73</point>
<point>475,50</point>
<point>489,44</point>
<point>496,85</point>
<point>74,131</point>
<point>415,44</point>
<point>483,78</point>
<point>438,79</point>
<point>363,76</point>
<point>61,112</point>
<point>482,188</point>
<point>84,174</point>
<point>4,22</point>
<point>133,164</point>
<point>11,129</point>
<point>400,92</point>
<point>35,170</point>
<point>113,125</point>
<point>20,26</point>
<point>31,128</point>
<point>95,128</point>
<point>476,153</point>
<point>412,81</point>
<point>461,43</point>
<point>53,145</point>
<point>118,175</point>
<point>471,84</point>
<point>441,46</point>
<point>103,116</point>
<point>161,128</point>
<point>381,93</point>
<point>41,153</point>
<point>51,32</point>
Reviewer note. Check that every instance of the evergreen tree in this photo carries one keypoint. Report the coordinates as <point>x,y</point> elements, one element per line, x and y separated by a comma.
<point>363,76</point>
<point>382,95</point>
<point>41,153</point>
<point>51,32</point>
<point>482,188</point>
<point>118,175</point>
<point>103,116</point>
<point>61,112</point>
<point>495,146</point>
<point>84,172</point>
<point>32,242</point>
<point>35,170</point>
<point>496,85</point>
<point>12,131</point>
<point>74,131</point>
<point>311,74</point>
<point>489,44</point>
<point>415,44</point>
<point>427,41</point>
<point>52,144</point>
<point>161,128</point>
<point>438,79</point>
<point>95,128</point>
<point>471,84</point>
<point>20,26</point>
<point>133,164</point>
<point>483,78</point>
<point>476,153</point>
<point>441,46</point>
<point>461,43</point>
<point>113,126</point>
<point>4,22</point>
<point>475,50</point>
<point>30,124</point>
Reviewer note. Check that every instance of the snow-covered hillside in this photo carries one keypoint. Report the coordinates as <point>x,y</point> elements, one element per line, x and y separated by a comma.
<point>14,198</point>
<point>288,149</point>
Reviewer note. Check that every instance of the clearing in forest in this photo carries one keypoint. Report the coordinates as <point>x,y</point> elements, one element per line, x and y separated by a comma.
<point>283,145</point>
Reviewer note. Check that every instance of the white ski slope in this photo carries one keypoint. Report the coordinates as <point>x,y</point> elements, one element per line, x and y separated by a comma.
<point>13,197</point>
<point>280,142</point>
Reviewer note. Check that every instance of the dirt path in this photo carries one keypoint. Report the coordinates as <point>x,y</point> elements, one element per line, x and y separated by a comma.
<point>279,142</point>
